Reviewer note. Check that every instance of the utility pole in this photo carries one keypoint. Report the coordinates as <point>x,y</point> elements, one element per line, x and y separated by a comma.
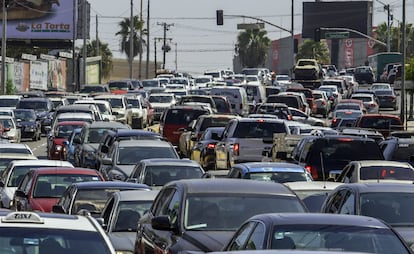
<point>3,49</point>
<point>148,41</point>
<point>131,39</point>
<point>155,57</point>
<point>140,42</point>
<point>98,53</point>
<point>389,16</point>
<point>84,51</point>
<point>176,60</point>
<point>165,47</point>
<point>403,51</point>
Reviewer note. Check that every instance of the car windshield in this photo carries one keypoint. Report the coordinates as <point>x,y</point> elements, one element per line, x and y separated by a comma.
<point>383,92</point>
<point>9,103</point>
<point>362,98</point>
<point>150,83</point>
<point>115,102</point>
<point>95,135</point>
<point>395,208</point>
<point>53,185</point>
<point>133,102</point>
<point>92,89</point>
<point>7,123</point>
<point>129,212</point>
<point>133,155</point>
<point>202,80</point>
<point>290,101</point>
<point>64,131</point>
<point>353,106</point>
<point>160,175</point>
<point>15,150</point>
<point>160,99</point>
<point>348,114</point>
<point>336,237</point>
<point>225,212</point>
<point>380,123</point>
<point>50,240</point>
<point>26,116</point>
<point>182,116</point>
<point>387,172</point>
<point>18,173</point>
<point>279,177</point>
<point>118,86</point>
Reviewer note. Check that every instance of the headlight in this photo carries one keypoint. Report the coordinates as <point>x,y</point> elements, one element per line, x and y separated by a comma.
<point>123,252</point>
<point>58,148</point>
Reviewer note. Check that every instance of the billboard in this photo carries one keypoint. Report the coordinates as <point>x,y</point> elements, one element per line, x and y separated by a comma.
<point>38,75</point>
<point>356,15</point>
<point>42,19</point>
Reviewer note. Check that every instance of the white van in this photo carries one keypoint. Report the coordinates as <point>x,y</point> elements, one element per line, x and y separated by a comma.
<point>255,92</point>
<point>237,97</point>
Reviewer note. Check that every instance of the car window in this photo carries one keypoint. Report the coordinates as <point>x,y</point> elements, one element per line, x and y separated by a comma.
<point>348,206</point>
<point>173,208</point>
<point>242,235</point>
<point>182,116</point>
<point>258,129</point>
<point>256,239</point>
<point>336,201</point>
<point>161,201</point>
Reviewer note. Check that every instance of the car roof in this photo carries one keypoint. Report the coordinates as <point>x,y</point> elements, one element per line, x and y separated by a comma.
<point>321,219</point>
<point>131,195</point>
<point>132,132</point>
<point>380,187</point>
<point>142,143</point>
<point>254,120</point>
<point>314,185</point>
<point>271,167</point>
<point>106,124</point>
<point>18,156</point>
<point>62,170</point>
<point>70,122</point>
<point>231,186</point>
<point>55,163</point>
<point>110,184</point>
<point>46,220</point>
<point>170,162</point>
<point>385,163</point>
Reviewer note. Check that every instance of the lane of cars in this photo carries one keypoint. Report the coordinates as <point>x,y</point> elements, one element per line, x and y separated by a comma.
<point>205,214</point>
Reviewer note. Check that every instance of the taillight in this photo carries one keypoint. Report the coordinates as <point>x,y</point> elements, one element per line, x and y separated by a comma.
<point>334,120</point>
<point>236,149</point>
<point>198,136</point>
<point>289,117</point>
<point>312,170</point>
<point>323,103</point>
<point>372,105</point>
<point>211,146</point>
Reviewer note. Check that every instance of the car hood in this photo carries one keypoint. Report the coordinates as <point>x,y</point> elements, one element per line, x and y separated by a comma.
<point>26,123</point>
<point>214,240</point>
<point>58,141</point>
<point>122,241</point>
<point>43,204</point>
<point>160,105</point>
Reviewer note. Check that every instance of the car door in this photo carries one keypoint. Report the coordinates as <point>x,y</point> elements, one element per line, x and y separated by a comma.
<point>23,193</point>
<point>154,241</point>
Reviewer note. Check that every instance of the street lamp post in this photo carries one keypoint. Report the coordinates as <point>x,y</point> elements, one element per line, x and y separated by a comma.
<point>3,49</point>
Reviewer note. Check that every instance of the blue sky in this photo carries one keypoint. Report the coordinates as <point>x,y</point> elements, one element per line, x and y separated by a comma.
<point>201,44</point>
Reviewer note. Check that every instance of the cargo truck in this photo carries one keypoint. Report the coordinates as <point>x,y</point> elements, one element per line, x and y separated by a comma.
<point>380,60</point>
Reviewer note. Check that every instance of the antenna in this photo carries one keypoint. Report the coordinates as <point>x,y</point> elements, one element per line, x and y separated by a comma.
<point>323,170</point>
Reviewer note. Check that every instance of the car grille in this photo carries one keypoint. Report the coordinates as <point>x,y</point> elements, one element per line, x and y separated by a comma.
<point>160,110</point>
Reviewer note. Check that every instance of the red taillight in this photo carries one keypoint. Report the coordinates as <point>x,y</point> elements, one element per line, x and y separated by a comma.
<point>345,139</point>
<point>334,120</point>
<point>372,105</point>
<point>199,136</point>
<point>313,171</point>
<point>236,149</point>
<point>323,103</point>
<point>211,146</point>
<point>261,121</point>
<point>289,117</point>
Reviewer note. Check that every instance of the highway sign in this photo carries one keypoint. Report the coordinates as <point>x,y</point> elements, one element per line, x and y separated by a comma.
<point>336,35</point>
<point>251,26</point>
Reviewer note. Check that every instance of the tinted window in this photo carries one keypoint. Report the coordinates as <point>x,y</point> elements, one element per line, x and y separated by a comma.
<point>228,212</point>
<point>290,101</point>
<point>387,172</point>
<point>160,175</point>
<point>182,116</point>
<point>118,86</point>
<point>214,122</point>
<point>380,123</point>
<point>36,105</point>
<point>259,129</point>
<point>9,102</point>
<point>403,152</point>
<point>133,155</point>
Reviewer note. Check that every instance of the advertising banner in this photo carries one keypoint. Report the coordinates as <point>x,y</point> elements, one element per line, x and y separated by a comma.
<point>349,53</point>
<point>40,19</point>
<point>56,77</point>
<point>38,75</point>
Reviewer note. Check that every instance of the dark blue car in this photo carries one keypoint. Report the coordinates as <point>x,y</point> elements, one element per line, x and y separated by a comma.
<point>29,124</point>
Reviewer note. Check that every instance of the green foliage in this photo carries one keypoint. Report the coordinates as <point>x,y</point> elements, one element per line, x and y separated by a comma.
<point>104,52</point>
<point>395,39</point>
<point>314,50</point>
<point>16,51</point>
<point>138,42</point>
<point>253,46</point>
<point>409,69</point>
<point>10,88</point>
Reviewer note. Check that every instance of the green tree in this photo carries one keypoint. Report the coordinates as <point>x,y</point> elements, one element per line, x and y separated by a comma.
<point>138,43</point>
<point>106,54</point>
<point>10,88</point>
<point>16,51</point>
<point>253,46</point>
<point>395,39</point>
<point>314,50</point>
<point>409,69</point>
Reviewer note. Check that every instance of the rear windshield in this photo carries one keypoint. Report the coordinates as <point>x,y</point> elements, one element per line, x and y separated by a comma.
<point>290,101</point>
<point>182,116</point>
<point>92,89</point>
<point>258,129</point>
<point>214,122</point>
<point>384,92</point>
<point>403,152</point>
<point>380,123</point>
<point>335,151</point>
<point>387,172</point>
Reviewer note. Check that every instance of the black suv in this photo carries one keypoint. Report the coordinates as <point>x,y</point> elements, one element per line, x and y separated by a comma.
<point>364,74</point>
<point>43,108</point>
<point>325,156</point>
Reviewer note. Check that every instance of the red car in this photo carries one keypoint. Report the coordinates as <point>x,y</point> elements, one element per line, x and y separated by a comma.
<point>41,188</point>
<point>60,133</point>
<point>383,123</point>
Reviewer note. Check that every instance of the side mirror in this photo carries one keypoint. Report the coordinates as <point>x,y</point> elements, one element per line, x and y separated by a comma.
<point>104,149</point>
<point>101,222</point>
<point>58,209</point>
<point>207,175</point>
<point>281,155</point>
<point>161,223</point>
<point>20,193</point>
<point>77,140</point>
<point>107,161</point>
<point>1,184</point>
<point>267,153</point>
<point>6,129</point>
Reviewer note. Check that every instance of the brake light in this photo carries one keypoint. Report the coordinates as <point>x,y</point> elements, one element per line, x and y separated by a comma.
<point>211,146</point>
<point>334,120</point>
<point>345,139</point>
<point>236,149</point>
<point>289,117</point>
<point>261,121</point>
<point>348,113</point>
<point>312,170</point>
<point>372,105</point>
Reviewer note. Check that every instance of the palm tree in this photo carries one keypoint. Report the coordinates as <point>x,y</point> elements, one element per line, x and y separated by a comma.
<point>253,46</point>
<point>314,50</point>
<point>395,39</point>
<point>138,42</point>
<point>106,54</point>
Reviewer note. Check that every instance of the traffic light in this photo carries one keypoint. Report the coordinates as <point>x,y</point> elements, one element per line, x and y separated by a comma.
<point>317,34</point>
<point>219,17</point>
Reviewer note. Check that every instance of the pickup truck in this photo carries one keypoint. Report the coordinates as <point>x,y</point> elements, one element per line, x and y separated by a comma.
<point>245,139</point>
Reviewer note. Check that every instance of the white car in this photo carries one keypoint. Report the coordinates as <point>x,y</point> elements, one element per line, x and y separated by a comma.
<point>103,106</point>
<point>139,111</point>
<point>9,101</point>
<point>369,100</point>
<point>119,105</point>
<point>14,173</point>
<point>161,102</point>
<point>31,232</point>
<point>203,81</point>
<point>12,132</point>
